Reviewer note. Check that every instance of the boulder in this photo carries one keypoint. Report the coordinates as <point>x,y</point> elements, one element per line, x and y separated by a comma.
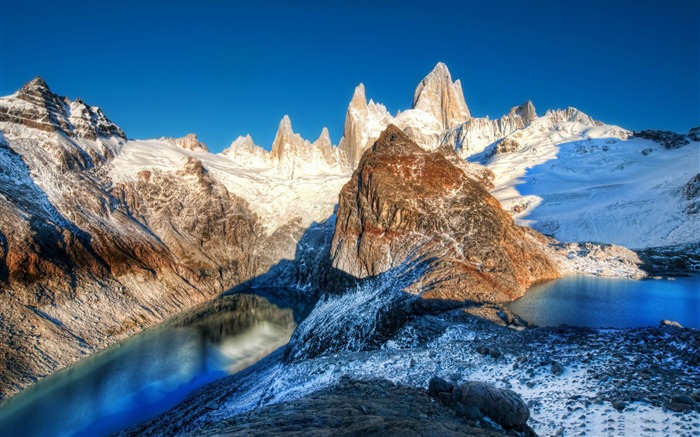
<point>437,385</point>
<point>504,407</point>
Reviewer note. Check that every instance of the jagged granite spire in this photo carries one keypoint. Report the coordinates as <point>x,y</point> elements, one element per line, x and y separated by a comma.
<point>324,140</point>
<point>285,138</point>
<point>363,123</point>
<point>439,96</point>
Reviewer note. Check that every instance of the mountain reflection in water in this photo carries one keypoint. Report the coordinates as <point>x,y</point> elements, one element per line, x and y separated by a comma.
<point>151,372</point>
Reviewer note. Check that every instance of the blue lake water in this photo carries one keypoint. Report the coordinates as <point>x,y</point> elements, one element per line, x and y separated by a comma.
<point>611,303</point>
<point>147,374</point>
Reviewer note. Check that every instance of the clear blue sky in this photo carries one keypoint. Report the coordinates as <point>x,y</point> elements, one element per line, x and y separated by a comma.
<point>225,68</point>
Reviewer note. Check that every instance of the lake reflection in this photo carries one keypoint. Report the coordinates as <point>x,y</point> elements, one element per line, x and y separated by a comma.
<point>617,303</point>
<point>151,372</point>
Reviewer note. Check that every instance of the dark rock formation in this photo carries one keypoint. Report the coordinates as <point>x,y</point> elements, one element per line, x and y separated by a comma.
<point>506,145</point>
<point>668,139</point>
<point>691,193</point>
<point>474,400</point>
<point>691,190</point>
<point>671,260</point>
<point>404,204</point>
<point>694,134</point>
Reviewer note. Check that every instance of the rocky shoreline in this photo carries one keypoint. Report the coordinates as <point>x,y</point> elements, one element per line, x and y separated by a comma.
<point>574,381</point>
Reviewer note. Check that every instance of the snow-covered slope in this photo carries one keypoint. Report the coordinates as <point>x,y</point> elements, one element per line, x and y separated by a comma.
<point>272,195</point>
<point>581,180</point>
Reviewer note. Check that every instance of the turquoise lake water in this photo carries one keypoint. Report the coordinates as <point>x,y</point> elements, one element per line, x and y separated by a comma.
<point>594,302</point>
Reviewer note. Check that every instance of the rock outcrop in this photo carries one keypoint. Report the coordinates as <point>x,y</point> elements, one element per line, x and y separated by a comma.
<point>670,140</point>
<point>694,134</point>
<point>406,205</point>
<point>474,400</point>
<point>691,193</point>
<point>188,142</point>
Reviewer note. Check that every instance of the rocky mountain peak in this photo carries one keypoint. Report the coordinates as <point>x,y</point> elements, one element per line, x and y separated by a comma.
<point>36,106</point>
<point>393,141</point>
<point>571,114</point>
<point>405,204</point>
<point>244,150</point>
<point>285,138</point>
<point>188,142</point>
<point>324,140</point>
<point>363,122</point>
<point>37,92</point>
<point>242,142</point>
<point>439,96</point>
<point>34,84</point>
<point>526,111</point>
<point>359,99</point>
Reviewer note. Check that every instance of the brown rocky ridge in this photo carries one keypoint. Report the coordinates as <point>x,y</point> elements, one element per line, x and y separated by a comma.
<point>404,204</point>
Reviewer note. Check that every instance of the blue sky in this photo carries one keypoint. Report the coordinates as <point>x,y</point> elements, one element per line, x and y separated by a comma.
<point>224,68</point>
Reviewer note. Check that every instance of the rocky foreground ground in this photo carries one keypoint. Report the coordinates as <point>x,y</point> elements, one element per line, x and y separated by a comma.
<point>574,381</point>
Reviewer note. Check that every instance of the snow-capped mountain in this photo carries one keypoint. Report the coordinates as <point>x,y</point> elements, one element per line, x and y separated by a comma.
<point>102,236</point>
<point>581,180</point>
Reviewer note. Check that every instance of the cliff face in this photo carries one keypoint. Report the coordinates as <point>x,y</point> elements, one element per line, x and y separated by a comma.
<point>205,228</point>
<point>404,204</point>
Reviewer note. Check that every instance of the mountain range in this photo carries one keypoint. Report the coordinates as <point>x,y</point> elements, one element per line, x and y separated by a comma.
<point>102,236</point>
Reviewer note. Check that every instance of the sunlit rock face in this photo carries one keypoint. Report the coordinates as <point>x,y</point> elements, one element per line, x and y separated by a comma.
<point>440,97</point>
<point>35,106</point>
<point>405,205</point>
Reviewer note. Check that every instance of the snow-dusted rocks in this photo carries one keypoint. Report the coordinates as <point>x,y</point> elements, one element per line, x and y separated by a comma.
<point>35,106</point>
<point>188,142</point>
<point>476,134</point>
